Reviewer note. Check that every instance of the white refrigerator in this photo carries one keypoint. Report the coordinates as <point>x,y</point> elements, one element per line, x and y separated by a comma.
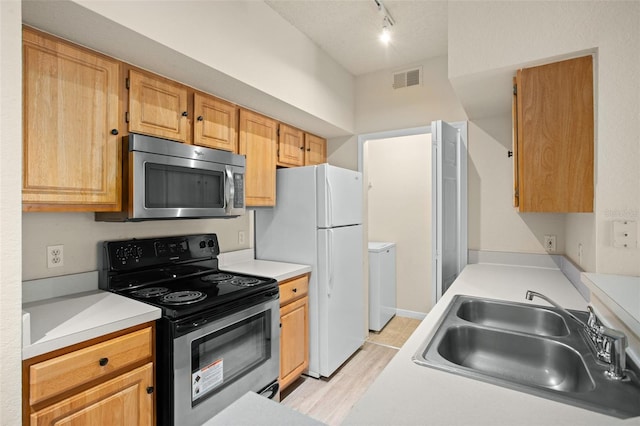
<point>317,221</point>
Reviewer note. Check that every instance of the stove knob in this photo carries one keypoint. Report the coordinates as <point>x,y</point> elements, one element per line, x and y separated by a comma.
<point>202,244</point>
<point>210,243</point>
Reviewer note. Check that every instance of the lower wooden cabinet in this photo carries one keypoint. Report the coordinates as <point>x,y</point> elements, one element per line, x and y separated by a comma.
<point>109,380</point>
<point>294,333</point>
<point>125,400</point>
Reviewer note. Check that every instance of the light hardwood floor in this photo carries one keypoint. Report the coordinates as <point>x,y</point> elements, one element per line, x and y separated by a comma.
<point>330,400</point>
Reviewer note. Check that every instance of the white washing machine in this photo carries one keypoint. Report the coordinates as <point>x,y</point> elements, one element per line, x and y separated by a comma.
<point>382,284</point>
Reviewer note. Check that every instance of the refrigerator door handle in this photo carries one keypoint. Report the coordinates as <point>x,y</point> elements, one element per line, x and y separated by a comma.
<point>329,217</point>
<point>330,260</point>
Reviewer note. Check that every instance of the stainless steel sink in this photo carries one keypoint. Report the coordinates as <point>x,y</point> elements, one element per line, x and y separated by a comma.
<point>509,316</point>
<point>524,359</point>
<point>534,349</point>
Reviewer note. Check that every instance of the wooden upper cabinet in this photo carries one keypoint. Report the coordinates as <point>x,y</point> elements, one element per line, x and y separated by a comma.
<point>71,151</point>
<point>215,123</point>
<point>158,107</point>
<point>258,142</point>
<point>315,150</point>
<point>290,146</point>
<point>554,137</point>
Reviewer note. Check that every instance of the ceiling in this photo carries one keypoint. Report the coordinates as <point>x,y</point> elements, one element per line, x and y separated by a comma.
<point>348,30</point>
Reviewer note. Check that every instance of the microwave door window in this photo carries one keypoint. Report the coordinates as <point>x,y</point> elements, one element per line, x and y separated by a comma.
<point>182,187</point>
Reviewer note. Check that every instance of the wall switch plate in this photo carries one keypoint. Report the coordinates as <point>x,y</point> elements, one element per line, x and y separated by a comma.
<point>625,233</point>
<point>240,237</point>
<point>55,256</point>
<point>550,243</point>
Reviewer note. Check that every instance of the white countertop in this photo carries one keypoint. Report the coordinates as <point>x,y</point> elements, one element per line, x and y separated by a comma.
<point>65,320</point>
<point>244,263</point>
<point>408,394</point>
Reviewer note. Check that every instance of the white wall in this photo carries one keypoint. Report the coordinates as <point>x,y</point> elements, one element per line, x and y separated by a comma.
<point>81,235</point>
<point>379,107</point>
<point>541,32</point>
<point>10,208</point>
<point>399,210</point>
<point>242,51</point>
<point>494,224</point>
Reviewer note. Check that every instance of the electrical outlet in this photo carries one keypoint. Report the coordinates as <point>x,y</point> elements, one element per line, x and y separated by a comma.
<point>240,237</point>
<point>55,256</point>
<point>550,243</point>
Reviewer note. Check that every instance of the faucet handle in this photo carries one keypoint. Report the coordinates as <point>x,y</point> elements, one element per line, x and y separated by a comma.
<point>592,322</point>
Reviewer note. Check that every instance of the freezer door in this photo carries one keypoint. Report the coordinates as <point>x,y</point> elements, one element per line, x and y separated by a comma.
<point>339,196</point>
<point>341,299</point>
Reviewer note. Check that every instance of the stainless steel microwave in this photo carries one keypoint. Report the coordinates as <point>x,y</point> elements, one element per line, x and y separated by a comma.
<point>163,179</point>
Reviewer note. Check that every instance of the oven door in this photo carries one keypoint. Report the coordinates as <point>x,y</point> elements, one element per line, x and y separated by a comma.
<point>219,362</point>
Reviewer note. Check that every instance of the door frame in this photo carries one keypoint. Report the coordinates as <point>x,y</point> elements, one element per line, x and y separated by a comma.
<point>462,202</point>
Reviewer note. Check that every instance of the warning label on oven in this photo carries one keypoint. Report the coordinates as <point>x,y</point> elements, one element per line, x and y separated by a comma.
<point>205,379</point>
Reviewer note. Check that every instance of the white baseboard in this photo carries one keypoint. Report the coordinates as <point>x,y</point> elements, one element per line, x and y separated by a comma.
<point>410,314</point>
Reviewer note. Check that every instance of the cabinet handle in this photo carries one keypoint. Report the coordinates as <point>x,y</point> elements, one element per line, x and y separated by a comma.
<point>295,290</point>
<point>509,153</point>
<point>184,114</point>
<point>200,118</point>
<point>150,389</point>
<point>103,361</point>
<point>114,131</point>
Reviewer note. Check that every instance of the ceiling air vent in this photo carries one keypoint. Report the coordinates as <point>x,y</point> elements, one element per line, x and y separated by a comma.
<point>408,78</point>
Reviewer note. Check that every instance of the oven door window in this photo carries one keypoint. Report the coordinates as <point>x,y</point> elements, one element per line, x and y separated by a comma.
<point>182,187</point>
<point>225,355</point>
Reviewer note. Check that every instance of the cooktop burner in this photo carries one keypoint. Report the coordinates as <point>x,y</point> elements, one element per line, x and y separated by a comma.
<point>217,277</point>
<point>148,292</point>
<point>245,281</point>
<point>183,297</point>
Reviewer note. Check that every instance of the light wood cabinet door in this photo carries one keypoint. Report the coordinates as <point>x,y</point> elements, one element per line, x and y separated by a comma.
<point>294,340</point>
<point>124,400</point>
<point>554,143</point>
<point>258,140</point>
<point>71,147</point>
<point>215,123</point>
<point>290,146</point>
<point>158,107</point>
<point>63,373</point>
<point>315,150</point>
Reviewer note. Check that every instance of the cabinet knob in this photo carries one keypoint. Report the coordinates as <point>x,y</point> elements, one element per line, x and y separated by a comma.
<point>308,149</point>
<point>150,389</point>
<point>103,361</point>
<point>114,131</point>
<point>184,114</point>
<point>295,290</point>
<point>302,148</point>
<point>200,118</point>
<point>509,153</point>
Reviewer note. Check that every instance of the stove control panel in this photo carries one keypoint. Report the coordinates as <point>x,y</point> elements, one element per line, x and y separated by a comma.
<point>137,253</point>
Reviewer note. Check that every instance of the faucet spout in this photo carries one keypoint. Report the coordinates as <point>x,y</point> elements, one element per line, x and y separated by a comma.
<point>530,294</point>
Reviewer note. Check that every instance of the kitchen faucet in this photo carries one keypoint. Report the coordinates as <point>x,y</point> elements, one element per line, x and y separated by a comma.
<point>609,344</point>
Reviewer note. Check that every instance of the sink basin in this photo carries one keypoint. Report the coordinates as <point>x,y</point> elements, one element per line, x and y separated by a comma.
<point>527,319</point>
<point>520,358</point>
<point>534,349</point>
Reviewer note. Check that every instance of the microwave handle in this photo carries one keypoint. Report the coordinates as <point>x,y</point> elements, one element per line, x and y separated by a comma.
<point>229,189</point>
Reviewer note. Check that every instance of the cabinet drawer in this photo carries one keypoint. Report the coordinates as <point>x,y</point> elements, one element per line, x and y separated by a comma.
<point>293,289</point>
<point>65,372</point>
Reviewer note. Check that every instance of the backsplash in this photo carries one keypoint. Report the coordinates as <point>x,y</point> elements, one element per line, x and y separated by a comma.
<point>80,235</point>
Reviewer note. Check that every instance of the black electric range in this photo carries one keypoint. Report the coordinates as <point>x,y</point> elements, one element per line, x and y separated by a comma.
<point>178,274</point>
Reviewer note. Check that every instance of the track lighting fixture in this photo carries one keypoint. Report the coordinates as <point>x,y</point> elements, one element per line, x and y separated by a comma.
<point>387,22</point>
